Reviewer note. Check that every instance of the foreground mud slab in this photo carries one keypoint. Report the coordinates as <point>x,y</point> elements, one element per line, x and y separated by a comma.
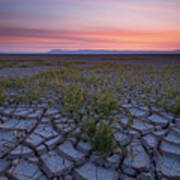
<point>37,143</point>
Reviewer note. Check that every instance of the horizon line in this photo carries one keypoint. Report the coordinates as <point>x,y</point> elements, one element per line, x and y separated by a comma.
<point>93,51</point>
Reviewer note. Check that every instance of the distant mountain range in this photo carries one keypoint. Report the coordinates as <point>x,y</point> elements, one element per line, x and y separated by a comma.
<point>87,51</point>
<point>84,51</point>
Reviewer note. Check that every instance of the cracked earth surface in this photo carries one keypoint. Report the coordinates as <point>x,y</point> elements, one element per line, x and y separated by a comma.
<point>37,143</point>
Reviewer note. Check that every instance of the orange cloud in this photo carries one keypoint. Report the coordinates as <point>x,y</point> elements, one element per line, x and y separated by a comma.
<point>86,39</point>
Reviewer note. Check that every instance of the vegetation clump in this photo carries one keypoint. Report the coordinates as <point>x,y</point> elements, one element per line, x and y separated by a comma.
<point>105,102</point>
<point>93,93</point>
<point>73,98</point>
<point>100,136</point>
<point>2,97</point>
<point>103,139</point>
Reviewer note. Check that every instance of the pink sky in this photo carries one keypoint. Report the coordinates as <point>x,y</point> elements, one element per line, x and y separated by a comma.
<point>41,25</point>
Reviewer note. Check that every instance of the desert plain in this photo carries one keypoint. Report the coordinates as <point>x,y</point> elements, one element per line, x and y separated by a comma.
<point>90,117</point>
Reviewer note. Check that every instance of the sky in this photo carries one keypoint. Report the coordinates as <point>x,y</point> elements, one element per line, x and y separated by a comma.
<point>42,25</point>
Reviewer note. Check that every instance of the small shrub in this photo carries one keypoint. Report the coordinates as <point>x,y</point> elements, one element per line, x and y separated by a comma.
<point>103,140</point>
<point>73,97</point>
<point>27,97</point>
<point>105,102</point>
<point>88,126</point>
<point>6,83</point>
<point>177,106</point>
<point>20,99</point>
<point>2,97</point>
<point>21,82</point>
<point>24,66</point>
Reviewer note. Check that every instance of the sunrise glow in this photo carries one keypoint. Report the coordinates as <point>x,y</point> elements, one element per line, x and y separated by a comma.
<point>42,25</point>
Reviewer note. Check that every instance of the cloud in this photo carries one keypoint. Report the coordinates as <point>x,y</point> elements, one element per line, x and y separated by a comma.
<point>10,31</point>
<point>117,24</point>
<point>99,38</point>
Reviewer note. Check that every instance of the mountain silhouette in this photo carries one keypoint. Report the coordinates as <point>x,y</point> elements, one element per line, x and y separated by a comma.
<point>87,51</point>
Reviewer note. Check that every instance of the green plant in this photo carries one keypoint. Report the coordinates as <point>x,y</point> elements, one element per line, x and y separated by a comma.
<point>21,82</point>
<point>73,98</point>
<point>20,99</point>
<point>176,107</point>
<point>104,102</point>
<point>24,65</point>
<point>88,126</point>
<point>27,97</point>
<point>2,96</point>
<point>103,139</point>
<point>6,83</point>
